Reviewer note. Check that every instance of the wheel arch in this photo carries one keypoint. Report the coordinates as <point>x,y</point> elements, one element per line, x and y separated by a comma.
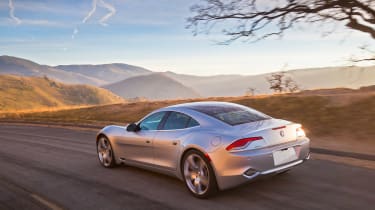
<point>99,136</point>
<point>188,149</point>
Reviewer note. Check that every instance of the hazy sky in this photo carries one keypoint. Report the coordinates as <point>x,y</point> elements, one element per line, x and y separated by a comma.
<point>152,34</point>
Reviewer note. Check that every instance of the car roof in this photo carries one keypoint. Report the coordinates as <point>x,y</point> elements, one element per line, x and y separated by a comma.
<point>202,103</point>
<point>202,118</point>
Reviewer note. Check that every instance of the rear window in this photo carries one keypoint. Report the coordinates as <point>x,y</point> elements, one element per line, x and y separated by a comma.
<point>231,114</point>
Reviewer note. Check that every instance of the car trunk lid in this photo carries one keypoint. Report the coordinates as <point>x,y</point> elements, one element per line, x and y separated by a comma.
<point>273,131</point>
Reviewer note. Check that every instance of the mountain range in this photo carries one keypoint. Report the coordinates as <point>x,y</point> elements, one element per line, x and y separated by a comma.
<point>307,79</point>
<point>23,67</point>
<point>106,73</point>
<point>132,81</point>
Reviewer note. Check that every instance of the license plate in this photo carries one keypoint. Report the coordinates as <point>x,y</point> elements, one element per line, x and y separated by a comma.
<point>284,156</point>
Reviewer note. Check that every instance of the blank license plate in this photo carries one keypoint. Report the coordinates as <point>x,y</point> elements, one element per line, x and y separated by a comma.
<point>284,156</point>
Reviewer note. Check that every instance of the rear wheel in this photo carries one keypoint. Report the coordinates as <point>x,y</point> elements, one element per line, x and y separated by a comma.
<point>198,174</point>
<point>105,152</point>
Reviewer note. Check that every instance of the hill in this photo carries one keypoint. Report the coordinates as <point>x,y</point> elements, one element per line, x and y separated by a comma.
<point>30,93</point>
<point>109,73</point>
<point>152,86</point>
<point>23,67</point>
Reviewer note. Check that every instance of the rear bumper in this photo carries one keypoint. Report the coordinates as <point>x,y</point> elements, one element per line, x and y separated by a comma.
<point>233,169</point>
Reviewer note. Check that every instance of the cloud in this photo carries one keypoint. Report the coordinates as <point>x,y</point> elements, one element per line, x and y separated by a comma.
<point>11,13</point>
<point>91,12</point>
<point>34,22</point>
<point>75,32</point>
<point>110,8</point>
<point>95,3</point>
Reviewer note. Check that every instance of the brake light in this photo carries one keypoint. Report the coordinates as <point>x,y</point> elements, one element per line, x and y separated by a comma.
<point>300,132</point>
<point>242,143</point>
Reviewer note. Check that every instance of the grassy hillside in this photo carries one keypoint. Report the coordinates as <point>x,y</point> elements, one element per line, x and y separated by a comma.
<point>338,118</point>
<point>321,114</point>
<point>30,93</point>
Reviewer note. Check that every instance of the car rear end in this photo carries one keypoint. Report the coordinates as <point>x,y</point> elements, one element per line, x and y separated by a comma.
<point>253,143</point>
<point>260,148</point>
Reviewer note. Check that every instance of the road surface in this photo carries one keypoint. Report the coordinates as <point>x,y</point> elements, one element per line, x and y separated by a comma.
<point>57,168</point>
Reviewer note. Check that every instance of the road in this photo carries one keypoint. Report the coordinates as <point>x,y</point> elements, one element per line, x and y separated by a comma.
<point>57,168</point>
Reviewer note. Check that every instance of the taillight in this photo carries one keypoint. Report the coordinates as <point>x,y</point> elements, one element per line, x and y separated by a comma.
<point>242,143</point>
<point>300,132</point>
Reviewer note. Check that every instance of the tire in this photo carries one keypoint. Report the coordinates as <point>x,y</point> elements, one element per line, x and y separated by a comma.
<point>105,152</point>
<point>198,174</point>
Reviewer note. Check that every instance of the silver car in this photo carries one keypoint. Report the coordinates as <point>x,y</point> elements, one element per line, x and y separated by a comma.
<point>211,146</point>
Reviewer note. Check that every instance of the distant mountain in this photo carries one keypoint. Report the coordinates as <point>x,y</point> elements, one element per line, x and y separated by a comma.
<point>314,78</point>
<point>333,77</point>
<point>20,93</point>
<point>109,73</point>
<point>220,85</point>
<point>115,75</point>
<point>23,67</point>
<point>152,86</point>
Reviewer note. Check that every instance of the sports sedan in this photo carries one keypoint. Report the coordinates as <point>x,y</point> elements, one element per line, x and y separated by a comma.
<point>211,146</point>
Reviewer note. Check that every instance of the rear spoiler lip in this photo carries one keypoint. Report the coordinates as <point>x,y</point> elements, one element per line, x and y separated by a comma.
<point>284,126</point>
<point>280,127</point>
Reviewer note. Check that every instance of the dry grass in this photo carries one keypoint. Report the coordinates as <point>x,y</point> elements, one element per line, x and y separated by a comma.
<point>348,126</point>
<point>45,109</point>
<point>319,114</point>
<point>35,93</point>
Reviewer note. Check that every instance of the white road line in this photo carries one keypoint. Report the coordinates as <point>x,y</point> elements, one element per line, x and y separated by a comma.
<point>45,202</point>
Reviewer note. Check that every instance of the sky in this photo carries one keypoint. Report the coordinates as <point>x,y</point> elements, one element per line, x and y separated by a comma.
<point>153,34</point>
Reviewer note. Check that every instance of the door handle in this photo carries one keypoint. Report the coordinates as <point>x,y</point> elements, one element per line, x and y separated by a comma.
<point>148,141</point>
<point>174,143</point>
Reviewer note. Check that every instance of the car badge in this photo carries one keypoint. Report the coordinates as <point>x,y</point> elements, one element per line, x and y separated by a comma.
<point>282,133</point>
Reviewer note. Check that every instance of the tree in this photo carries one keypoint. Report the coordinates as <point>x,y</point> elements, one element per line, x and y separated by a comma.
<point>290,85</point>
<point>280,83</point>
<point>276,82</point>
<point>259,19</point>
<point>250,91</point>
<point>51,82</point>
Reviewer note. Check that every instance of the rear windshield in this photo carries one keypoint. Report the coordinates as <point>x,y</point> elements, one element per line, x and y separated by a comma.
<point>231,114</point>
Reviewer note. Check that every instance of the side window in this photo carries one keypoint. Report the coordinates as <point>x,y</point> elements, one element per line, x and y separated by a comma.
<point>152,122</point>
<point>178,120</point>
<point>192,123</point>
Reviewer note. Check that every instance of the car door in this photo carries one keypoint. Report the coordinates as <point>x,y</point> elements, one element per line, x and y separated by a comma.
<point>138,146</point>
<point>167,141</point>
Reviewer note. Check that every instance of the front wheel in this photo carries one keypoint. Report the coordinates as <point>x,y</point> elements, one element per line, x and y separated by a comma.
<point>198,174</point>
<point>105,152</point>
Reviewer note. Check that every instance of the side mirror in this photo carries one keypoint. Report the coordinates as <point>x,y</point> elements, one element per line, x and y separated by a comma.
<point>133,127</point>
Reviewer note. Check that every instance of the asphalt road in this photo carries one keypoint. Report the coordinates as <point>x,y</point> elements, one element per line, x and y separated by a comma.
<point>57,168</point>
